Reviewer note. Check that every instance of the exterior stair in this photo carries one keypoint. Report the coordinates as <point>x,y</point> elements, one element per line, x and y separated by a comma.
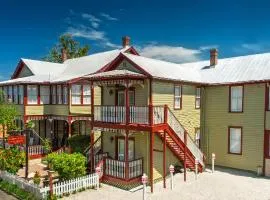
<point>179,142</point>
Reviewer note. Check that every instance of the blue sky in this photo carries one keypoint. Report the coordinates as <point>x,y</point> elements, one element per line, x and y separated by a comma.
<point>179,31</point>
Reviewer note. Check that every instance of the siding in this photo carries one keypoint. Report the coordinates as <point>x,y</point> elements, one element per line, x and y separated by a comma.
<point>46,110</point>
<point>217,119</point>
<point>163,93</point>
<point>25,72</point>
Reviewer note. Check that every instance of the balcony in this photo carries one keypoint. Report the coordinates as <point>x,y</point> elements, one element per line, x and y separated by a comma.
<point>140,115</point>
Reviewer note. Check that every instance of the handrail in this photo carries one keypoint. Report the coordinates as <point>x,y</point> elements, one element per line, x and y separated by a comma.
<point>197,153</point>
<point>87,148</point>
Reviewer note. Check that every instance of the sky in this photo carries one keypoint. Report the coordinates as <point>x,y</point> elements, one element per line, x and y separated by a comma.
<point>176,31</point>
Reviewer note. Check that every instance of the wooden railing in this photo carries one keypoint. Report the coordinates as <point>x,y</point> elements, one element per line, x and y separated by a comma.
<point>117,168</point>
<point>136,114</point>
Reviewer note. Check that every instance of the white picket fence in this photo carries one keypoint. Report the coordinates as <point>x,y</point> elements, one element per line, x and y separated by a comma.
<point>20,182</point>
<point>59,189</point>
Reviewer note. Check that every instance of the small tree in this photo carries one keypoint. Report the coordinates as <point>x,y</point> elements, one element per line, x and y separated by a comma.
<point>11,159</point>
<point>67,166</point>
<point>72,47</point>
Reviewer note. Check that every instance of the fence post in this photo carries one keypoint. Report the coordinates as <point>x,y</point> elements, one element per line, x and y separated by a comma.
<point>50,173</point>
<point>196,168</point>
<point>98,172</point>
<point>171,168</point>
<point>213,162</point>
<point>144,181</point>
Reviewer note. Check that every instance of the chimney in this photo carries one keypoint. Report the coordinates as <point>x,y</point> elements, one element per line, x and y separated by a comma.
<point>64,55</point>
<point>125,41</point>
<point>213,57</point>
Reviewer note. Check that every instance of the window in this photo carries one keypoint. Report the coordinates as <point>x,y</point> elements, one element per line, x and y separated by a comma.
<point>236,99</point>
<point>10,96</point>
<point>15,94</point>
<point>32,94</point>
<point>44,94</point>
<point>86,94</point>
<point>54,94</point>
<point>59,94</point>
<point>6,93</point>
<point>235,140</point>
<point>198,98</point>
<point>177,97</point>
<point>121,97</point>
<point>121,149</point>
<point>76,94</point>
<point>20,94</point>
<point>65,95</point>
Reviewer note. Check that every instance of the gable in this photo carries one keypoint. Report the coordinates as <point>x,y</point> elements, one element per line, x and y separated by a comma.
<point>125,65</point>
<point>25,71</point>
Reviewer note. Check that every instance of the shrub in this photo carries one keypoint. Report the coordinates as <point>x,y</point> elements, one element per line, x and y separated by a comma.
<point>11,159</point>
<point>67,166</point>
<point>79,143</point>
<point>36,178</point>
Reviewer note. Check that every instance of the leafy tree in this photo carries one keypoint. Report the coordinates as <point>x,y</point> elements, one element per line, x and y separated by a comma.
<point>72,47</point>
<point>68,166</point>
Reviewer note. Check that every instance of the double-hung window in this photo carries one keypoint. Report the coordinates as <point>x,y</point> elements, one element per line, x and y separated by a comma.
<point>76,94</point>
<point>15,94</point>
<point>10,94</point>
<point>59,94</point>
<point>44,94</point>
<point>65,95</point>
<point>32,93</point>
<point>198,98</point>
<point>177,97</point>
<point>235,140</point>
<point>86,94</point>
<point>236,99</point>
<point>54,94</point>
<point>20,94</point>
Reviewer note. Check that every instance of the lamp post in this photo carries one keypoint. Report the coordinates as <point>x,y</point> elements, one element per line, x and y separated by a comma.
<point>171,168</point>
<point>144,182</point>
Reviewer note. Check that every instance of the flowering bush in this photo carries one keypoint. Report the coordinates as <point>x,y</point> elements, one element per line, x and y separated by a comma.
<point>67,166</point>
<point>11,159</point>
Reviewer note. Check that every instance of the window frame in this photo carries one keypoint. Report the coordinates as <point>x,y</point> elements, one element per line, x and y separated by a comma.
<point>174,97</point>
<point>37,92</point>
<point>198,98</point>
<point>267,98</point>
<point>229,141</point>
<point>41,95</point>
<point>230,98</point>
<point>81,103</point>
<point>117,147</point>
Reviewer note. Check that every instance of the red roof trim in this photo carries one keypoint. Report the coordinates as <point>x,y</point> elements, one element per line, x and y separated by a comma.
<point>18,69</point>
<point>132,50</point>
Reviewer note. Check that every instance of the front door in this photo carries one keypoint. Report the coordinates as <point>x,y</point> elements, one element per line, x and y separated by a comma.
<point>121,100</point>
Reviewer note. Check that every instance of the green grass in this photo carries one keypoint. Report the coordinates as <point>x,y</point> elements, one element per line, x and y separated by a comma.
<point>15,191</point>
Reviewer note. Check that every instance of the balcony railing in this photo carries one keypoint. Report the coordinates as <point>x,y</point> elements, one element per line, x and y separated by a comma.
<point>118,169</point>
<point>136,114</point>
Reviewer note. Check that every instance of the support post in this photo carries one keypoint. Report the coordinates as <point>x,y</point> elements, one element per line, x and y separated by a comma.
<point>126,156</point>
<point>26,152</point>
<point>144,181</point>
<point>127,102</point>
<point>50,173</point>
<point>196,168</point>
<point>213,162</point>
<point>185,156</point>
<point>171,172</point>
<point>151,161</point>
<point>165,114</point>
<point>92,167</point>
<point>164,160</point>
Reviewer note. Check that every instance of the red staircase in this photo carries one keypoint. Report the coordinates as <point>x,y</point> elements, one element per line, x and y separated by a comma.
<point>179,142</point>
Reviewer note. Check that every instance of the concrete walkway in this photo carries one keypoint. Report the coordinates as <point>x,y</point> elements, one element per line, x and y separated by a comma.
<point>223,184</point>
<point>5,196</point>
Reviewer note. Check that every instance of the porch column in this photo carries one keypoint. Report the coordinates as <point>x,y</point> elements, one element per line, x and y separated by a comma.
<point>164,160</point>
<point>126,156</point>
<point>127,101</point>
<point>92,167</point>
<point>151,160</point>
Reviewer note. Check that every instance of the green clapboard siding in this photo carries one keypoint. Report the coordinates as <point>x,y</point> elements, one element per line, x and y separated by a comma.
<point>163,93</point>
<point>217,119</point>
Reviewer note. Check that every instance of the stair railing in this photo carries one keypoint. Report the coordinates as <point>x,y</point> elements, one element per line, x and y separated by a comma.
<point>174,123</point>
<point>96,146</point>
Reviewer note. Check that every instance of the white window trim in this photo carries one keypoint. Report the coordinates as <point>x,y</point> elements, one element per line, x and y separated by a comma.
<point>230,151</point>
<point>178,97</point>
<point>238,99</point>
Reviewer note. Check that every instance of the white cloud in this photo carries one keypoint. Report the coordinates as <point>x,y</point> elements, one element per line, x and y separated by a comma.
<point>91,34</point>
<point>108,17</point>
<point>176,54</point>
<point>92,19</point>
